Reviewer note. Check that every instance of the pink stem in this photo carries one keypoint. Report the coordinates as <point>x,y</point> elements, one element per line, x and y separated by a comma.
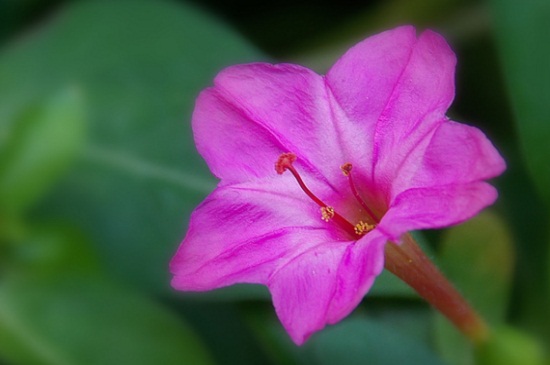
<point>408,262</point>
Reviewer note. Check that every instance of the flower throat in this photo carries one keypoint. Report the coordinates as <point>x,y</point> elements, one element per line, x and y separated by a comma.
<point>285,161</point>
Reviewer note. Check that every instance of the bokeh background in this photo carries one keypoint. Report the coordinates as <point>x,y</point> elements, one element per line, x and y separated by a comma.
<point>98,176</point>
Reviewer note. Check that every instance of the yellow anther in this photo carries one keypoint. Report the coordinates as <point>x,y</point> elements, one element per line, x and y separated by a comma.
<point>363,228</point>
<point>327,213</point>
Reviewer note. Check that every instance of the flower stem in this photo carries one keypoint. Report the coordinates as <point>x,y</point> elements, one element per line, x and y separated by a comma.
<point>408,262</point>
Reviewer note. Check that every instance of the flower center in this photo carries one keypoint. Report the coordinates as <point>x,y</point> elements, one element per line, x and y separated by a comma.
<point>285,162</point>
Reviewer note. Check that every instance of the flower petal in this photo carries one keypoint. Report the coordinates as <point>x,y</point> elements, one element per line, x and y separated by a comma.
<point>435,207</point>
<point>395,90</point>
<point>416,107</point>
<point>455,154</point>
<point>458,153</point>
<point>362,82</point>
<point>360,265</point>
<point>249,150</point>
<point>325,284</point>
<point>240,234</point>
<point>258,111</point>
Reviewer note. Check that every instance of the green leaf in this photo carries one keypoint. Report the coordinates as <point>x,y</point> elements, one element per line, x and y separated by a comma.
<point>83,320</point>
<point>509,346</point>
<point>40,251</point>
<point>330,44</point>
<point>39,146</point>
<point>454,348</point>
<point>390,334</point>
<point>56,307</point>
<point>389,285</point>
<point>522,32</point>
<point>141,65</point>
<point>478,252</point>
<point>478,258</point>
<point>360,340</point>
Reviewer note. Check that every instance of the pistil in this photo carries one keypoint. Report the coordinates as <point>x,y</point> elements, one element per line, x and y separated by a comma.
<point>346,170</point>
<point>328,213</point>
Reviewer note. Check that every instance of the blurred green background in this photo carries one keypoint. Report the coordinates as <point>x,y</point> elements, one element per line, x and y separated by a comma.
<point>99,173</point>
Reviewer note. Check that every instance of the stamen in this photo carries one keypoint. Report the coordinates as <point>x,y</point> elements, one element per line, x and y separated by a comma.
<point>327,212</point>
<point>346,170</point>
<point>363,228</point>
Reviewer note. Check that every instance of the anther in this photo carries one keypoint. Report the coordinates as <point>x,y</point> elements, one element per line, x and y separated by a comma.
<point>363,228</point>
<point>327,213</point>
<point>346,168</point>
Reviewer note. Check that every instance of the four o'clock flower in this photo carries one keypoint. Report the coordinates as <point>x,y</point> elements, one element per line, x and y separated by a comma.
<point>318,174</point>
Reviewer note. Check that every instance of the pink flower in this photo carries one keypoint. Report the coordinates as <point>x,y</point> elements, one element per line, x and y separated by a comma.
<point>369,155</point>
